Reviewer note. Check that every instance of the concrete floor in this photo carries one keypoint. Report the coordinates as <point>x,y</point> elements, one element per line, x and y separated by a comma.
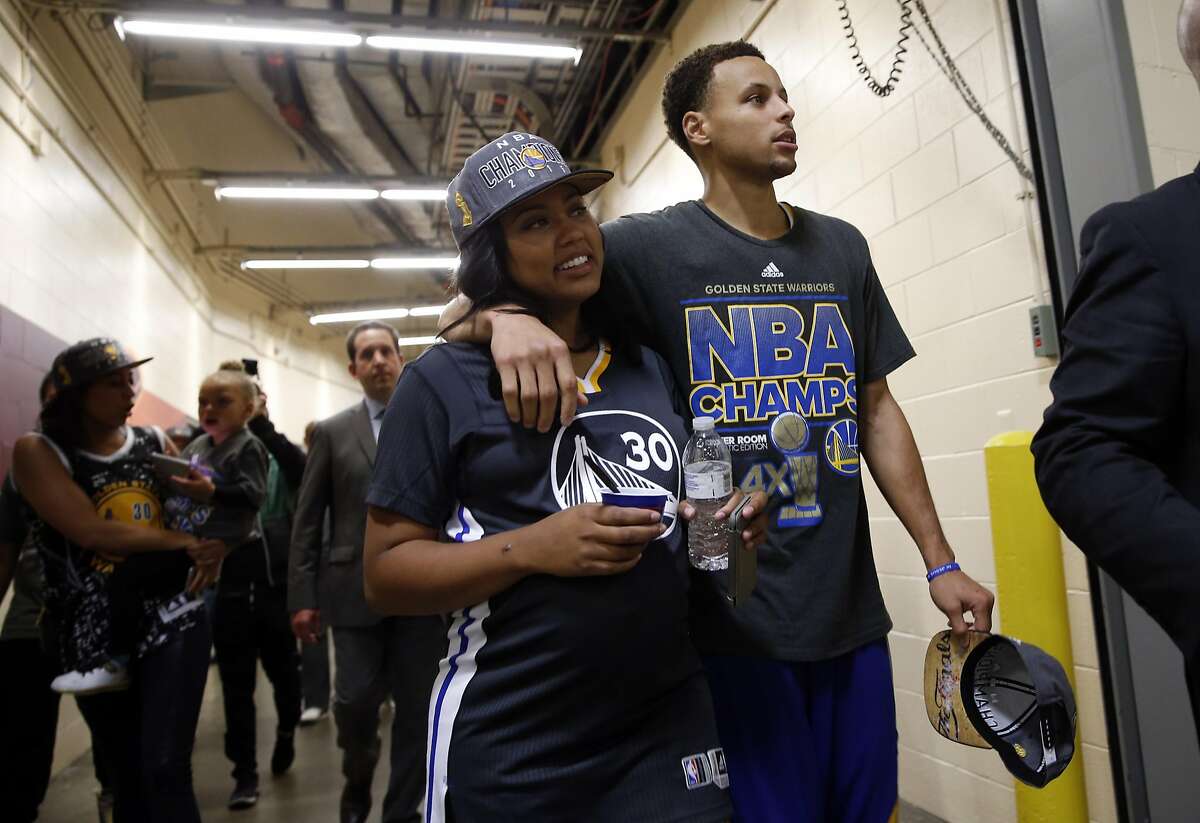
<point>308,793</point>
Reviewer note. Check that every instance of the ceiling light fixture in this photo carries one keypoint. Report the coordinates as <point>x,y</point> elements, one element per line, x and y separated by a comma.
<point>393,313</point>
<point>436,195</point>
<point>294,193</point>
<point>414,263</point>
<point>499,48</point>
<point>426,311</point>
<point>236,34</point>
<point>307,263</point>
<point>354,316</point>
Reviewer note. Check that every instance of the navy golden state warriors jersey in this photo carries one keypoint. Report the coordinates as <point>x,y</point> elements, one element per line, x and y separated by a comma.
<point>559,698</point>
<point>775,340</point>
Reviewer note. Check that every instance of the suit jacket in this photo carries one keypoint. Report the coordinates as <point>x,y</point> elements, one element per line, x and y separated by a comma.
<point>336,478</point>
<point>1118,455</point>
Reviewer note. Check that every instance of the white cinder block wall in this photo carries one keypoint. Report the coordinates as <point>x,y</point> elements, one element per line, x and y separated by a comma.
<point>940,205</point>
<point>1170,99</point>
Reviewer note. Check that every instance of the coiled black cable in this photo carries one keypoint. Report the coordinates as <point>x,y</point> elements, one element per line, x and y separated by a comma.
<point>880,89</point>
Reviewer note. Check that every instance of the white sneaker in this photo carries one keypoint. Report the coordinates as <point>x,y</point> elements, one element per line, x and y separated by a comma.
<point>110,677</point>
<point>311,715</point>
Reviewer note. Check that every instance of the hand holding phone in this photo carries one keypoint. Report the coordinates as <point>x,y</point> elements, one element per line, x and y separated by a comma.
<point>743,561</point>
<point>166,466</point>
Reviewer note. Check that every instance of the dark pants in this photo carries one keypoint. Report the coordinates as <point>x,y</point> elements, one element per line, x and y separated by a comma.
<point>314,672</point>
<point>145,735</point>
<point>250,625</point>
<point>397,656</point>
<point>29,718</point>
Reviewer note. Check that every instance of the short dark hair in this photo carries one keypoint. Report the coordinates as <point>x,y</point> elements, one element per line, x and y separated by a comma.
<point>367,325</point>
<point>686,86</point>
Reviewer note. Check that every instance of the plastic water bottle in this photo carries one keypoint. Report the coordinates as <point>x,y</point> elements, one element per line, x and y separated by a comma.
<point>708,479</point>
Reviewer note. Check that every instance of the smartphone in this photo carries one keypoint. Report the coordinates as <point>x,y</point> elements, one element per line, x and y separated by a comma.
<point>167,466</point>
<point>743,565</point>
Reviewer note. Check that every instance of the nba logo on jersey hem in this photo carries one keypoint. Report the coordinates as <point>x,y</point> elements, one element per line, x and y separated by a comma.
<point>697,772</point>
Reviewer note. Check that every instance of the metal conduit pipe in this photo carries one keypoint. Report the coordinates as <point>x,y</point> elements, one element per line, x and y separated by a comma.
<point>566,112</point>
<point>615,84</point>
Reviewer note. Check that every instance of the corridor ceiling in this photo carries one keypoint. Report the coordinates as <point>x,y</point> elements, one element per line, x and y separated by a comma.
<point>248,113</point>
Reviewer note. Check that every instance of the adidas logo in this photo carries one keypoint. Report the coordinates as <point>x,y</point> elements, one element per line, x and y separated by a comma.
<point>772,270</point>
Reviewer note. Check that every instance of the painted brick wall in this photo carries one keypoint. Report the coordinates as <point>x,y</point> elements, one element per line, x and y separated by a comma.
<point>1169,96</point>
<point>952,242</point>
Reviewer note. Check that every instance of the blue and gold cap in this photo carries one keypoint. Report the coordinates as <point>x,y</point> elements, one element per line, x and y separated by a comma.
<point>504,172</point>
<point>89,360</point>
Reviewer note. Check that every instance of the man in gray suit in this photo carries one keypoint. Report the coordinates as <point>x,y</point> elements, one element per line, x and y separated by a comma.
<point>373,657</point>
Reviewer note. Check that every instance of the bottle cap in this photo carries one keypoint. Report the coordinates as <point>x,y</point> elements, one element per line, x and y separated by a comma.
<point>703,424</point>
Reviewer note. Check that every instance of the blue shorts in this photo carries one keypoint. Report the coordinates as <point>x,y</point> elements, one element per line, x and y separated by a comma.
<point>809,742</point>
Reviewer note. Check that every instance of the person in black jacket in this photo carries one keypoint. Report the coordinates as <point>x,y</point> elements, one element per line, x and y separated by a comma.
<point>250,620</point>
<point>1118,455</point>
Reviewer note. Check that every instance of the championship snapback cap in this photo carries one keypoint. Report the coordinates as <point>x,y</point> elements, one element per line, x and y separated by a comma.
<point>996,692</point>
<point>505,171</point>
<point>88,360</point>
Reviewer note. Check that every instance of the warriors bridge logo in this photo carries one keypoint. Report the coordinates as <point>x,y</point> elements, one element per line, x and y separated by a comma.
<point>625,453</point>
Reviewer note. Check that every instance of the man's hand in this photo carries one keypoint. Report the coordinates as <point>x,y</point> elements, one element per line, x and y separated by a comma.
<point>755,516</point>
<point>306,625</point>
<point>955,593</point>
<point>537,378</point>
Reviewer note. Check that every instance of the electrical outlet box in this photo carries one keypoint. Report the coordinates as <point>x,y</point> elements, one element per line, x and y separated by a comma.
<point>1044,331</point>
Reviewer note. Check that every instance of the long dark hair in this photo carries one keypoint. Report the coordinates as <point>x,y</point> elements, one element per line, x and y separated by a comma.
<point>484,278</point>
<point>62,418</point>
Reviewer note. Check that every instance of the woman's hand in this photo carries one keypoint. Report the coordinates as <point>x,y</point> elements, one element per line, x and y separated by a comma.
<point>592,539</point>
<point>536,375</point>
<point>196,485</point>
<point>203,576</point>
<point>754,516</point>
<point>207,552</point>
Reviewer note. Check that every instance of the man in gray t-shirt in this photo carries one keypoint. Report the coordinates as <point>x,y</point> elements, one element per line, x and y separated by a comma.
<point>773,321</point>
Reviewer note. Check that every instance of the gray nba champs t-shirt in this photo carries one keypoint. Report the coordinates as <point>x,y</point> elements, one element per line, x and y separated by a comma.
<point>774,339</point>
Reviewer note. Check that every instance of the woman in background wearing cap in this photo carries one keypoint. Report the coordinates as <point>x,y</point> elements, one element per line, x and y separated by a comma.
<point>570,689</point>
<point>91,484</point>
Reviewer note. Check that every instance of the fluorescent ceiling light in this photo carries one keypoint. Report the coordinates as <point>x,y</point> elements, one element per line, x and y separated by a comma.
<point>414,194</point>
<point>294,193</point>
<point>237,34</point>
<point>426,311</point>
<point>393,313</point>
<point>306,264</point>
<point>428,340</point>
<point>354,316</point>
<point>499,48</point>
<point>414,263</point>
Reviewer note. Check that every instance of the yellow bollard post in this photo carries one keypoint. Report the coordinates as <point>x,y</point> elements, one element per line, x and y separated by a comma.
<point>1032,598</point>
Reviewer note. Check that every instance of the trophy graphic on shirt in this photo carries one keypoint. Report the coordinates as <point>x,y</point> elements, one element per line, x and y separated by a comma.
<point>790,434</point>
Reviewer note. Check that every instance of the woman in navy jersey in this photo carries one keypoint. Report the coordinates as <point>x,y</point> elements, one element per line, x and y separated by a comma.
<point>96,514</point>
<point>570,689</point>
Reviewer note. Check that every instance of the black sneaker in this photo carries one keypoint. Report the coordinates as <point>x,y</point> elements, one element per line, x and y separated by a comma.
<point>285,752</point>
<point>245,794</point>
